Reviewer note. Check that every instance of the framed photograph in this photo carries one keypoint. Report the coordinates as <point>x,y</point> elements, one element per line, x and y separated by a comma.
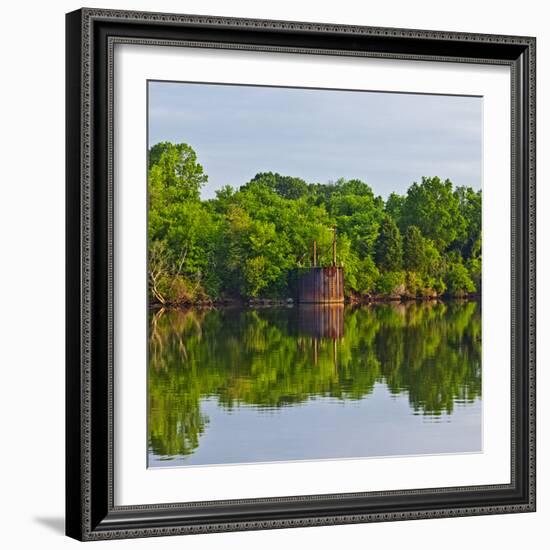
<point>300,274</point>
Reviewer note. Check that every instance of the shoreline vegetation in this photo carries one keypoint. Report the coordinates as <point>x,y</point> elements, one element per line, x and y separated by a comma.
<point>289,302</point>
<point>242,246</point>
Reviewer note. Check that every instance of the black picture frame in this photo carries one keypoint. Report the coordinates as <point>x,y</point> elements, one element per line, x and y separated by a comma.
<point>90,510</point>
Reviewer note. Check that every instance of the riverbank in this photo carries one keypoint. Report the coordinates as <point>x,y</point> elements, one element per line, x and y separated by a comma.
<point>289,302</point>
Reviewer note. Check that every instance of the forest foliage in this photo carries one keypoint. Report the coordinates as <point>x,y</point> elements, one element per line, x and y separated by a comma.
<point>245,242</point>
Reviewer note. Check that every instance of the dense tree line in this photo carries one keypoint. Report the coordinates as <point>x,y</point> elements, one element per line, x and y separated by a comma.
<point>246,242</point>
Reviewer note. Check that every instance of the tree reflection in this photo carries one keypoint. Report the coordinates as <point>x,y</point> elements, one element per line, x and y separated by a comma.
<point>277,357</point>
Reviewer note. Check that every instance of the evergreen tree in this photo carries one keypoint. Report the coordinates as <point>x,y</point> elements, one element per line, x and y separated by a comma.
<point>389,246</point>
<point>414,250</point>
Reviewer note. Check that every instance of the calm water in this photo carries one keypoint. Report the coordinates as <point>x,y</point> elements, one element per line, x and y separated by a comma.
<point>313,382</point>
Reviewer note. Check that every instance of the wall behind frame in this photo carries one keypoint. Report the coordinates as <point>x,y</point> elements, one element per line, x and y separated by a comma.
<point>32,274</point>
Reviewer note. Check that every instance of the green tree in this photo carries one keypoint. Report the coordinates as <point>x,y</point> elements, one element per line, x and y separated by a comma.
<point>394,206</point>
<point>357,215</point>
<point>458,281</point>
<point>435,210</point>
<point>414,250</point>
<point>470,209</point>
<point>474,270</point>
<point>247,241</point>
<point>174,172</point>
<point>285,186</point>
<point>389,246</point>
<point>390,283</point>
<point>361,275</point>
<point>181,231</point>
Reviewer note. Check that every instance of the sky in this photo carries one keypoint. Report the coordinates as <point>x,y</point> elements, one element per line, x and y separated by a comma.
<point>388,140</point>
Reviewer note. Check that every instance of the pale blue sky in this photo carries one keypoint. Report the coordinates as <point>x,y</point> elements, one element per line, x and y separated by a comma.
<point>388,140</point>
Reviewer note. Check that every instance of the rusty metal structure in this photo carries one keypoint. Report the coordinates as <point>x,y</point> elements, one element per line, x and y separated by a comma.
<point>321,285</point>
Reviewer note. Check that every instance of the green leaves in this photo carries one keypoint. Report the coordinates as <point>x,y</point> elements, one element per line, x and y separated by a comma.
<point>458,281</point>
<point>247,241</point>
<point>435,210</point>
<point>174,171</point>
<point>389,246</point>
<point>391,283</point>
<point>414,250</point>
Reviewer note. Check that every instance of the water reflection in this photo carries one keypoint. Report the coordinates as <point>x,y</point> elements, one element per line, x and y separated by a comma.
<point>321,320</point>
<point>214,363</point>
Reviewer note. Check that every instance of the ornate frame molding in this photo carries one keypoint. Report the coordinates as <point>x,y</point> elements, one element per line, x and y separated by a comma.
<point>91,36</point>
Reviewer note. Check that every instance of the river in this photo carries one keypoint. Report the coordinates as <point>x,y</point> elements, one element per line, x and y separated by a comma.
<point>310,382</point>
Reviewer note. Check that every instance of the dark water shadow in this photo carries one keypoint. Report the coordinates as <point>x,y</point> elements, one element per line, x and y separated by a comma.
<point>56,524</point>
